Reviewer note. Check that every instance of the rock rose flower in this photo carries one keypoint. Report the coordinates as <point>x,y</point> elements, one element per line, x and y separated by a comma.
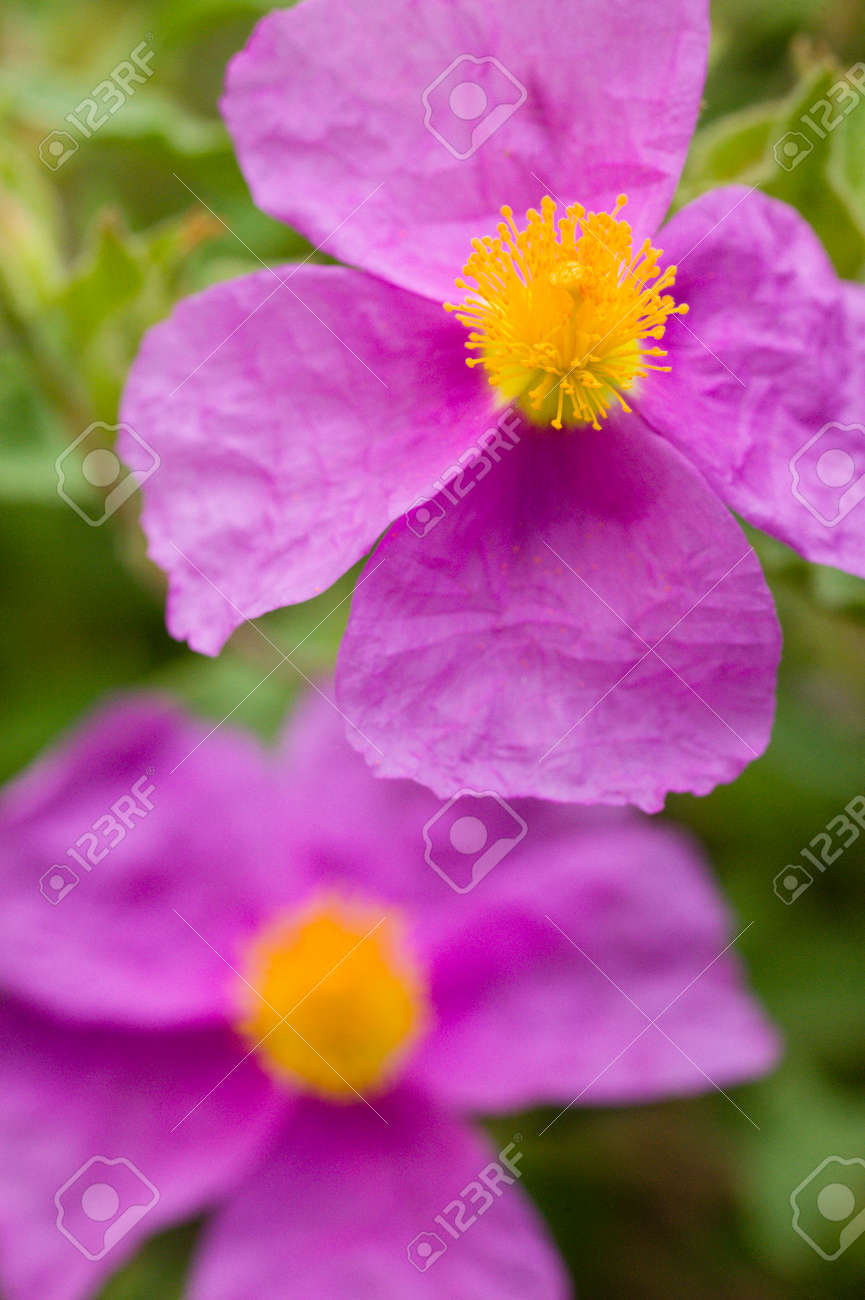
<point>589,623</point>
<point>256,999</point>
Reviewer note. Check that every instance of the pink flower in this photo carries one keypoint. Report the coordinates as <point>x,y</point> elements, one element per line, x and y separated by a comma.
<point>155,1078</point>
<point>589,624</point>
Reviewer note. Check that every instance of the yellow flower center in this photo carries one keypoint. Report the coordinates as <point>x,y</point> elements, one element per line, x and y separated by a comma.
<point>560,312</point>
<point>334,1002</point>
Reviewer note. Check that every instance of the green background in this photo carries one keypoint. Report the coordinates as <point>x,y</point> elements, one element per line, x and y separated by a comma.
<point>684,1198</point>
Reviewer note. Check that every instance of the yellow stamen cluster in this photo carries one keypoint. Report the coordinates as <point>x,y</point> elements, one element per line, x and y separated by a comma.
<point>335,1002</point>
<point>560,312</point>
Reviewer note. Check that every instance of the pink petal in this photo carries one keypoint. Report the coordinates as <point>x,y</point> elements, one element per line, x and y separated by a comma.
<point>327,107</point>
<point>70,1096</point>
<point>342,1196</point>
<point>546,987</point>
<point>634,895</point>
<point>132,941</point>
<point>587,625</point>
<point>295,414</point>
<point>765,393</point>
<point>365,836</point>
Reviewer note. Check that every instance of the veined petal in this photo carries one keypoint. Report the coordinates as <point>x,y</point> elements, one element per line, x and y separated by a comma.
<point>391,134</point>
<point>295,413</point>
<point>587,625</point>
<point>765,391</point>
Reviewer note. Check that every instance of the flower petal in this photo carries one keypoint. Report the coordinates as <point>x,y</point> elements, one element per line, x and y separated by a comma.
<point>347,1197</point>
<point>295,414</point>
<point>70,1096</point>
<point>366,836</point>
<point>116,940</point>
<point>584,935</point>
<point>587,625</point>
<point>633,894</point>
<point>762,395</point>
<point>392,134</point>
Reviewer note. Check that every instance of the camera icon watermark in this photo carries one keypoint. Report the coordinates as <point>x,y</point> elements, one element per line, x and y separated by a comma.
<point>425,1249</point>
<point>791,150</point>
<point>101,1203</point>
<point>829,472</point>
<point>791,882</point>
<point>829,1206</point>
<point>469,101</point>
<point>469,836</point>
<point>91,477</point>
<point>57,883</point>
<point>57,148</point>
<point>423,516</point>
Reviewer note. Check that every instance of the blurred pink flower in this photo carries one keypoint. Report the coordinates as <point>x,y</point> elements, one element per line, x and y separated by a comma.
<point>590,622</point>
<point>149,1072</point>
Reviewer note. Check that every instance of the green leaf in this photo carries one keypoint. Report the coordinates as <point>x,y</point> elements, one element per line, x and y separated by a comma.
<point>157,1270</point>
<point>733,149</point>
<point>30,232</point>
<point>803,1121</point>
<point>108,278</point>
<point>30,435</point>
<point>777,146</point>
<point>122,284</point>
<point>44,100</point>
<point>846,166</point>
<point>806,180</point>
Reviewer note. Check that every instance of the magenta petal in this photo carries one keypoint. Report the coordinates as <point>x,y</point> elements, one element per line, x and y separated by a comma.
<point>344,1201</point>
<point>765,393</point>
<point>634,895</point>
<point>295,414</point>
<point>546,986</point>
<point>366,836</point>
<point>587,625</point>
<point>116,942</point>
<point>347,127</point>
<point>70,1096</point>
<point>854,305</point>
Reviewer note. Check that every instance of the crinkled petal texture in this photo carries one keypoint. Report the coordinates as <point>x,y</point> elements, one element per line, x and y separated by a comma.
<point>346,1198</point>
<point>854,306</point>
<point>593,923</point>
<point>130,942</point>
<point>588,624</point>
<point>765,393</point>
<point>295,413</point>
<point>390,134</point>
<point>72,1095</point>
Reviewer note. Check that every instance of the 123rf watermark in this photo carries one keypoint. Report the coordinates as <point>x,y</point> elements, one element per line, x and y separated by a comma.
<point>461,478</point>
<point>90,476</point>
<point>105,99</point>
<point>822,118</point>
<point>469,835</point>
<point>828,472</point>
<point>95,844</point>
<point>473,1201</point>
<point>825,848</point>
<point>829,1206</point>
<point>469,101</point>
<point>101,1203</point>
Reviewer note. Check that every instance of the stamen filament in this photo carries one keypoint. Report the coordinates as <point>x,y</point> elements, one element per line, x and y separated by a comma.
<point>559,313</point>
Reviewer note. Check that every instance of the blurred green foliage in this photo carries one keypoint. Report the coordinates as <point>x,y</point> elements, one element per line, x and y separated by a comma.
<point>685,1198</point>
